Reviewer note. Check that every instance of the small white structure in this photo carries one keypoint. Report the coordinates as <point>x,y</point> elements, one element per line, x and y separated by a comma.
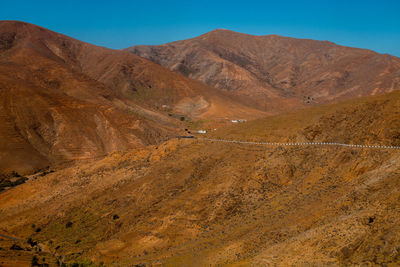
<point>202,131</point>
<point>238,121</point>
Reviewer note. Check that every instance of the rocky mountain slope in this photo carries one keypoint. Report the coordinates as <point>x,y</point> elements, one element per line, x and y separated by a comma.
<point>270,70</point>
<point>196,203</point>
<point>62,99</point>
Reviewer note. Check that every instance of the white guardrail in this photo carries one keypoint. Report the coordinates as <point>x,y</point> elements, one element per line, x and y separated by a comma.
<point>297,144</point>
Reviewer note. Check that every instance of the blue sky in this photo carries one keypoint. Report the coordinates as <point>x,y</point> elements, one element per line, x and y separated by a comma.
<point>119,24</point>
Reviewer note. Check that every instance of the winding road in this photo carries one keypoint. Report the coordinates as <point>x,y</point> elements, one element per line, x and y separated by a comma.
<point>295,144</point>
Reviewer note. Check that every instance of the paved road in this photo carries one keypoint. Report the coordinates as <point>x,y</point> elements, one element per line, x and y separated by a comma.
<point>297,144</point>
<point>12,238</point>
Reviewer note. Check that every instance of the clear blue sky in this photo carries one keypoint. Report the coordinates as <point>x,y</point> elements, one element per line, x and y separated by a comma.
<point>119,24</point>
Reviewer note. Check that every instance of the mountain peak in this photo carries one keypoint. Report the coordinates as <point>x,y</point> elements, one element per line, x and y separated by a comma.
<point>24,29</point>
<point>221,31</point>
<point>14,22</point>
<point>15,25</point>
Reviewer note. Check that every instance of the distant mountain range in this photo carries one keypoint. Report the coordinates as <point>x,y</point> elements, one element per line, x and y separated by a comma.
<point>63,100</point>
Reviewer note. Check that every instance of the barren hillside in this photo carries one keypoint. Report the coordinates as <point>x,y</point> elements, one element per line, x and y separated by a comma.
<point>195,203</point>
<point>63,100</point>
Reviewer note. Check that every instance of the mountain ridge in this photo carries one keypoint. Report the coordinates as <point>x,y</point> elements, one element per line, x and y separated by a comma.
<point>297,70</point>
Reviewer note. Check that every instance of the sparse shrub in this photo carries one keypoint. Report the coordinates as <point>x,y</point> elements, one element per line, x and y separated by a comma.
<point>34,261</point>
<point>45,173</point>
<point>15,174</point>
<point>31,242</point>
<point>16,247</point>
<point>6,181</point>
<point>68,225</point>
<point>20,180</point>
<point>115,217</point>
<point>38,230</point>
<point>182,118</point>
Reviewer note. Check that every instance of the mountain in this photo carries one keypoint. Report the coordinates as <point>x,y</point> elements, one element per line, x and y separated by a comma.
<point>270,70</point>
<point>199,203</point>
<point>63,100</point>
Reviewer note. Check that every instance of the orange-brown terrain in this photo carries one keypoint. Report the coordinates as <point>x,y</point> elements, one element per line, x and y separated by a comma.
<point>196,203</point>
<point>92,129</point>
<point>271,70</point>
<point>63,100</point>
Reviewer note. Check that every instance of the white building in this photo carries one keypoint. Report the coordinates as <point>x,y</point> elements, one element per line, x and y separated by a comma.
<point>238,121</point>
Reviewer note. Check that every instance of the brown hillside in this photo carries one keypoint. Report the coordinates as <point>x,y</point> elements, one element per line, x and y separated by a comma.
<point>130,77</point>
<point>62,99</point>
<point>270,70</point>
<point>51,113</point>
<point>195,203</point>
